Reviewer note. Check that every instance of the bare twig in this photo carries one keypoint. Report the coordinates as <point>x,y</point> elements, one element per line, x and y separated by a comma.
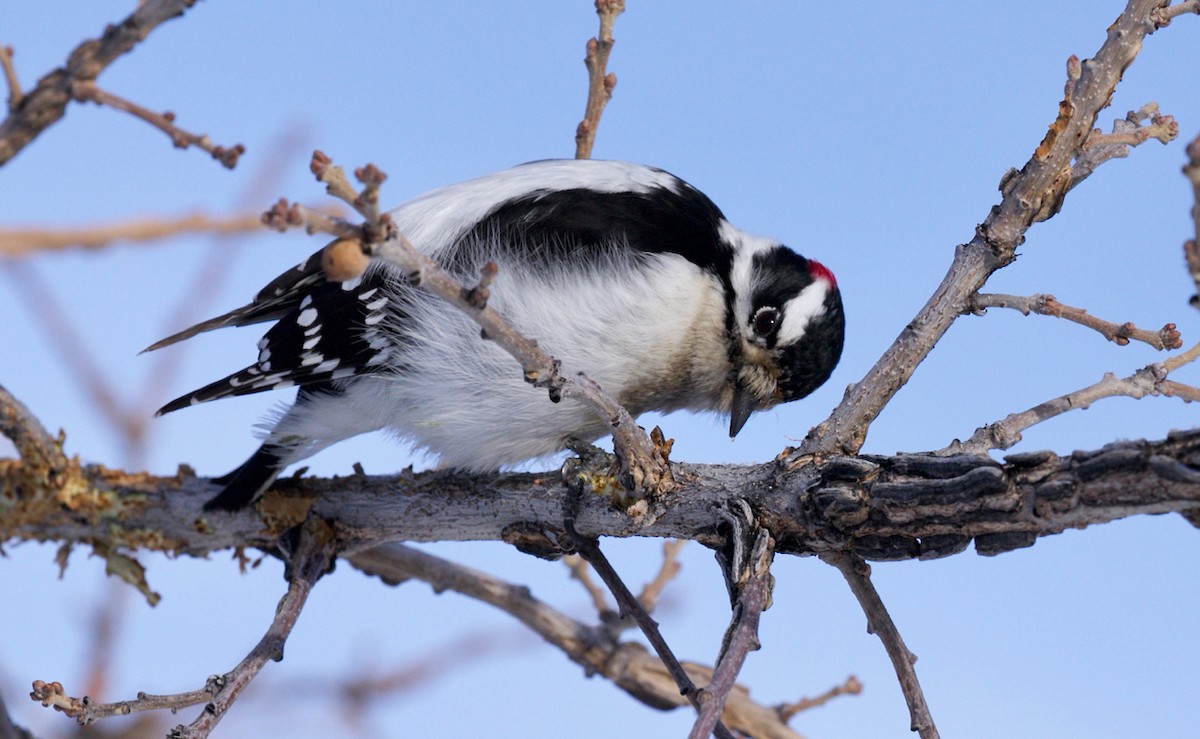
<point>754,589</point>
<point>284,215</point>
<point>670,567</point>
<point>1033,194</point>
<point>858,575</point>
<point>310,560</point>
<point>1127,133</point>
<point>45,104</point>
<point>21,241</point>
<point>1163,16</point>
<point>1149,380</point>
<point>76,353</point>
<point>1191,251</point>
<point>852,686</point>
<point>581,572</point>
<point>1166,337</point>
<point>589,549</point>
<point>10,77</point>
<point>85,711</point>
<point>600,81</point>
<point>87,91</point>
<point>106,620</point>
<point>626,664</point>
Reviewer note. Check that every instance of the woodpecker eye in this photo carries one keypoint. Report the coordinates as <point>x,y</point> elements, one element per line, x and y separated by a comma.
<point>766,320</point>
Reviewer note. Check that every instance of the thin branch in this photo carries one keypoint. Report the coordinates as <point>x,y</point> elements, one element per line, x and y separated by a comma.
<point>1166,337</point>
<point>589,549</point>
<point>10,77</point>
<point>1149,380</point>
<point>667,572</point>
<point>1033,194</point>
<point>77,357</point>
<point>595,649</point>
<point>46,103</point>
<point>85,711</point>
<point>754,592</point>
<point>1162,16</point>
<point>581,572</point>
<point>1127,133</point>
<point>1191,250</point>
<point>86,91</point>
<point>879,622</point>
<point>312,558</point>
<point>600,82</point>
<point>22,241</point>
<point>852,686</point>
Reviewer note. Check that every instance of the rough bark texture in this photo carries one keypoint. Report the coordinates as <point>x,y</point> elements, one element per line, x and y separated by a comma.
<point>881,508</point>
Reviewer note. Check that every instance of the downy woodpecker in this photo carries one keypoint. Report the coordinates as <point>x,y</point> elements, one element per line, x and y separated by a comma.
<point>622,271</point>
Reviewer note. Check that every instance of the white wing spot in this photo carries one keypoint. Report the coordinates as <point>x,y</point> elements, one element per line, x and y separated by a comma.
<point>311,359</point>
<point>342,372</point>
<point>306,302</point>
<point>310,343</point>
<point>313,330</point>
<point>373,319</point>
<point>306,317</point>
<point>377,304</point>
<point>367,295</point>
<point>327,365</point>
<point>351,284</point>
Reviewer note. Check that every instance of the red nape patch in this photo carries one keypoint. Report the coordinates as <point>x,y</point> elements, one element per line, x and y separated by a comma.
<point>821,272</point>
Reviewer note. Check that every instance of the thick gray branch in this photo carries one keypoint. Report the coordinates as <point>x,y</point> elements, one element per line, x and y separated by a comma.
<point>882,508</point>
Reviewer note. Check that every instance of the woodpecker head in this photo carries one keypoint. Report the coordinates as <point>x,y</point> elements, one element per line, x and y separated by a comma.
<point>787,326</point>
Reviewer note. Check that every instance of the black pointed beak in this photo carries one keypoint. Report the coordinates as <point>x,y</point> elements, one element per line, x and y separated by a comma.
<point>739,411</point>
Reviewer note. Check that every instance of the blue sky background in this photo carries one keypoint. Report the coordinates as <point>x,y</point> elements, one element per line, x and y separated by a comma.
<point>871,137</point>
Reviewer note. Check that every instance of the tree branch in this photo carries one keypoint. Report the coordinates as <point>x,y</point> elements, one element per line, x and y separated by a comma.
<point>21,241</point>
<point>1149,380</point>
<point>1127,133</point>
<point>1166,337</point>
<point>45,104</point>
<point>1033,194</point>
<point>600,82</point>
<point>594,648</point>
<point>885,508</point>
<point>879,622</point>
<point>754,595</point>
<point>311,558</point>
<point>589,549</point>
<point>10,77</point>
<point>1191,251</point>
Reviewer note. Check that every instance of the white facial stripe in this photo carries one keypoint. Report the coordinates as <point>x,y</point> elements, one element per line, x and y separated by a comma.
<point>800,311</point>
<point>741,277</point>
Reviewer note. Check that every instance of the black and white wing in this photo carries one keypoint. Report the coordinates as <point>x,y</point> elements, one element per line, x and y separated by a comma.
<point>326,331</point>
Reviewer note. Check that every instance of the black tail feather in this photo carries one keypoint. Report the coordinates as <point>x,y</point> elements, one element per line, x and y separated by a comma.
<point>246,483</point>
